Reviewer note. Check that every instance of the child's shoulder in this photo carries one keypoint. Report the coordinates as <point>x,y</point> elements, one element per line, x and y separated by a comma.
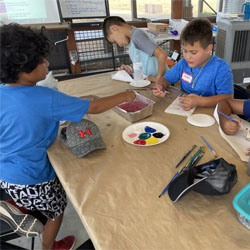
<point>217,61</point>
<point>136,32</point>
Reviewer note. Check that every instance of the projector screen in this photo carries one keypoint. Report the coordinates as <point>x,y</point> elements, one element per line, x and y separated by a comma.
<point>29,11</point>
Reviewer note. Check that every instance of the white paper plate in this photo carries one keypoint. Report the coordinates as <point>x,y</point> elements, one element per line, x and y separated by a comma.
<point>201,120</point>
<point>132,133</point>
<point>140,83</point>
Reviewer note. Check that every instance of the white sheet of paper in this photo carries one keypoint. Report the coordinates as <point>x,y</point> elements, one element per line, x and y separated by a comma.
<point>122,75</point>
<point>175,108</point>
<point>238,141</point>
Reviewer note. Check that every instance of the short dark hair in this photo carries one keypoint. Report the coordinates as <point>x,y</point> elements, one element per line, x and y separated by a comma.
<point>22,50</point>
<point>111,20</point>
<point>198,30</point>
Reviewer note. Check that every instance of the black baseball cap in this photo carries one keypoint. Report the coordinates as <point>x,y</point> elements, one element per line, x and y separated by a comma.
<point>215,177</point>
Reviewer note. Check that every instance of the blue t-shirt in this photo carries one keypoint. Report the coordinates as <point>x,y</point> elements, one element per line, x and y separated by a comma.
<point>29,124</point>
<point>246,108</point>
<point>215,78</point>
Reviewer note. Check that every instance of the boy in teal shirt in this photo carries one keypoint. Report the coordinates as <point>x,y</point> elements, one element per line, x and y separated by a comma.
<point>141,47</point>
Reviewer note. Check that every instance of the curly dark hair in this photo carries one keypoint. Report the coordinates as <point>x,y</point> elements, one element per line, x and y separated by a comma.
<point>198,30</point>
<point>22,50</point>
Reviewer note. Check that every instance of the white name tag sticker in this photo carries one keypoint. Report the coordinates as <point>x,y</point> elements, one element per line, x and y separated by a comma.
<point>186,77</point>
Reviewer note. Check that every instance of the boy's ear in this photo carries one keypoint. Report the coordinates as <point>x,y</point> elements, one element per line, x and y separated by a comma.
<point>210,48</point>
<point>113,28</point>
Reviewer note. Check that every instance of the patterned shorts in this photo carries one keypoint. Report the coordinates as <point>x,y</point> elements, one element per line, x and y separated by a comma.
<point>48,197</point>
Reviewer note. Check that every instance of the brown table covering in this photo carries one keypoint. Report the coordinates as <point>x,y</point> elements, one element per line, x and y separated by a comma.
<point>115,191</point>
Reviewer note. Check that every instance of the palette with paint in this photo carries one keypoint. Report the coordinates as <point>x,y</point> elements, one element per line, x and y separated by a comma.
<point>146,134</point>
<point>134,111</point>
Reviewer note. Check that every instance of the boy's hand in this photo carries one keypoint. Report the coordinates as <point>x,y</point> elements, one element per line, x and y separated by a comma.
<point>152,78</point>
<point>248,152</point>
<point>229,127</point>
<point>127,68</point>
<point>189,101</point>
<point>130,96</point>
<point>159,91</point>
<point>160,87</point>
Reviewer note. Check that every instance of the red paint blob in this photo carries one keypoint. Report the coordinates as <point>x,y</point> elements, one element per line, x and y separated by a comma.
<point>132,106</point>
<point>140,142</point>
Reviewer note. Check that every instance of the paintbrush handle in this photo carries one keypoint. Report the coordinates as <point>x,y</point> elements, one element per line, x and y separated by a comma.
<point>166,188</point>
<point>163,90</point>
<point>185,155</point>
<point>138,89</point>
<point>232,119</point>
<point>188,163</point>
<point>197,159</point>
<point>227,116</point>
<point>208,145</point>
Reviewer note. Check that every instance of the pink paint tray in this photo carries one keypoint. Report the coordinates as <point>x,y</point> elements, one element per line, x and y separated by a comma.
<point>139,109</point>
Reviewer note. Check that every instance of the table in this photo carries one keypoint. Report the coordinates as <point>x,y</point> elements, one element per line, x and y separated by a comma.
<point>115,191</point>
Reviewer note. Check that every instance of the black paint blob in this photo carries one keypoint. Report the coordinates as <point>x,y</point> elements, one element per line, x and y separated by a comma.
<point>158,135</point>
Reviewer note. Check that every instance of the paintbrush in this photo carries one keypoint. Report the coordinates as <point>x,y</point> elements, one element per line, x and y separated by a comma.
<point>166,188</point>
<point>137,89</point>
<point>163,90</point>
<point>228,117</point>
<point>185,155</point>
<point>209,146</point>
<point>146,88</point>
<point>189,162</point>
<point>193,157</point>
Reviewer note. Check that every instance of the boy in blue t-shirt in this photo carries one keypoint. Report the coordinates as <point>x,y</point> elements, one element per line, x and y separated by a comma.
<point>141,47</point>
<point>204,78</point>
<point>29,124</point>
<point>234,106</point>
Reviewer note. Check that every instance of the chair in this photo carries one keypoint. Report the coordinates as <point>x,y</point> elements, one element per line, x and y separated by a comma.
<point>6,230</point>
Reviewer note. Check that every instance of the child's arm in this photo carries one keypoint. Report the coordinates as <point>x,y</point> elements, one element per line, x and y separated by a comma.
<point>161,60</point>
<point>231,106</point>
<point>227,107</point>
<point>106,103</point>
<point>127,68</point>
<point>160,85</point>
<point>192,100</point>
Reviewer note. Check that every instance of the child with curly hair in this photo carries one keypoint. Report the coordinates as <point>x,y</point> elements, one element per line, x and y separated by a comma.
<point>29,124</point>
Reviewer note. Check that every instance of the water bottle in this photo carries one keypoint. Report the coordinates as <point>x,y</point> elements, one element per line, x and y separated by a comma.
<point>137,67</point>
<point>215,28</point>
<point>246,8</point>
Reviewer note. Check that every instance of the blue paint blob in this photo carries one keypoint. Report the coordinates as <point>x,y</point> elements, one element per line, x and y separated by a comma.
<point>149,129</point>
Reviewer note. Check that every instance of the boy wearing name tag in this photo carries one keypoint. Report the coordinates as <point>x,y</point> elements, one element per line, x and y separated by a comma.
<point>141,47</point>
<point>29,124</point>
<point>205,79</point>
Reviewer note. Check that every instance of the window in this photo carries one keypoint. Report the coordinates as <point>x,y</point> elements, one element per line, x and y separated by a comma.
<point>153,9</point>
<point>120,8</point>
<point>202,8</point>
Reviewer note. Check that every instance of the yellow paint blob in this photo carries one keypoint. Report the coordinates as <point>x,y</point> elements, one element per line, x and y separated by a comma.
<point>152,140</point>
